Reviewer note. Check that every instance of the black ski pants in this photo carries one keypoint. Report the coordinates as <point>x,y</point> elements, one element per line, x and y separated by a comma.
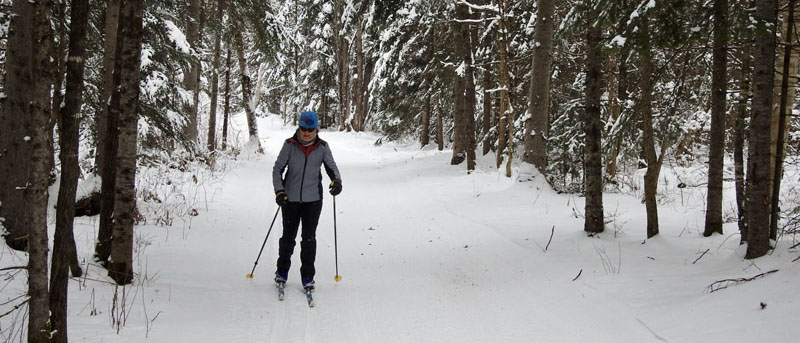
<point>295,213</point>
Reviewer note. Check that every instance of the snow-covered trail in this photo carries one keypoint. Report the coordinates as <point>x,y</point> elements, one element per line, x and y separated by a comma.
<point>420,263</point>
<point>427,254</point>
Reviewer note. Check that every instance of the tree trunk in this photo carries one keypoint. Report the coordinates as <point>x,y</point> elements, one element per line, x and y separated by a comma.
<point>789,69</point>
<point>739,136</point>
<point>246,91</point>
<point>191,75</point>
<point>129,44</point>
<point>64,242</point>
<point>592,128</point>
<point>358,79</point>
<point>341,50</point>
<point>439,126</point>
<point>539,93</point>
<point>458,120</point>
<point>646,111</point>
<point>486,125</point>
<point>505,111</point>
<point>212,117</point>
<point>425,130</point>
<point>25,155</point>
<point>758,202</point>
<point>466,117</point>
<point>105,161</point>
<point>227,106</point>
<point>719,80</point>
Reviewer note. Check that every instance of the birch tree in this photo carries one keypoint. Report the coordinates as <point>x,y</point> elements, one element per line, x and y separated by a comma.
<point>125,103</point>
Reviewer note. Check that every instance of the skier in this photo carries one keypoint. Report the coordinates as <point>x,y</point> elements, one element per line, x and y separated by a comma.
<point>299,193</point>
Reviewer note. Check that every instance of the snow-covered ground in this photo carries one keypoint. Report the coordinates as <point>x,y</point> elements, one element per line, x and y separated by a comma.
<point>428,253</point>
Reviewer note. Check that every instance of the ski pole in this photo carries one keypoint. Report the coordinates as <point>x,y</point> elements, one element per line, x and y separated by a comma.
<point>250,276</point>
<point>338,277</point>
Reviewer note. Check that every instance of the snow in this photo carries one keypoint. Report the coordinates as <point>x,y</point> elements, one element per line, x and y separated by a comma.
<point>618,41</point>
<point>176,36</point>
<point>428,253</point>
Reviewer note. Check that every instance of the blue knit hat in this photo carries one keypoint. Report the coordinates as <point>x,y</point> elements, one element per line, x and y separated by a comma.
<point>308,119</point>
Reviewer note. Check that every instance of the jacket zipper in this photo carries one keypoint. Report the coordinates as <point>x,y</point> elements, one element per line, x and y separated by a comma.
<point>303,179</point>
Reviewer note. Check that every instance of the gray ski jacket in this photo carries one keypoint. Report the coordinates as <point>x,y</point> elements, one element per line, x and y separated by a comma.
<point>302,181</point>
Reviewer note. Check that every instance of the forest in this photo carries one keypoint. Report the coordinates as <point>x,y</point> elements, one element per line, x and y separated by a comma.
<point>583,93</point>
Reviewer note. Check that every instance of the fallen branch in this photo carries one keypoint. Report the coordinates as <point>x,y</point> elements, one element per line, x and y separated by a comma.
<point>701,256</point>
<point>14,267</point>
<point>552,231</point>
<point>722,284</point>
<point>579,275</point>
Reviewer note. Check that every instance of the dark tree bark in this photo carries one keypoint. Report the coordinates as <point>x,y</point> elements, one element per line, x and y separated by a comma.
<point>107,135</point>
<point>786,91</point>
<point>539,92</point>
<point>464,92</point>
<point>758,201</point>
<point>719,80</point>
<point>592,128</point>
<point>109,47</point>
<point>191,75</point>
<point>439,126</point>
<point>505,87</point>
<point>227,107</point>
<point>486,125</point>
<point>25,150</point>
<point>129,47</point>
<point>425,128</point>
<point>64,242</point>
<point>739,137</point>
<point>646,112</point>
<point>358,80</point>
<point>212,117</point>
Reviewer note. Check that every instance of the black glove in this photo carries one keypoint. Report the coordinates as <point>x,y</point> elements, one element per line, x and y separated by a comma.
<point>281,198</point>
<point>335,187</point>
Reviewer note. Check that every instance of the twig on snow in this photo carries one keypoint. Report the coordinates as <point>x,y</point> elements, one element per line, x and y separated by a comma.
<point>552,231</point>
<point>722,284</point>
<point>701,256</point>
<point>579,275</point>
